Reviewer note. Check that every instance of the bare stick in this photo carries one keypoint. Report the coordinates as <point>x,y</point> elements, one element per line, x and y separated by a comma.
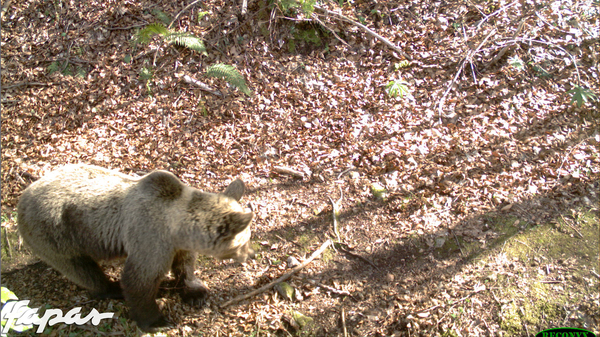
<point>244,7</point>
<point>460,69</point>
<point>315,17</point>
<point>288,171</point>
<point>344,323</point>
<point>503,51</point>
<point>202,86</point>
<point>282,278</point>
<point>572,227</point>
<point>366,29</point>
<point>183,10</point>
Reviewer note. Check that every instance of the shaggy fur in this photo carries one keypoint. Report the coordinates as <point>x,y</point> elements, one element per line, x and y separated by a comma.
<point>80,214</point>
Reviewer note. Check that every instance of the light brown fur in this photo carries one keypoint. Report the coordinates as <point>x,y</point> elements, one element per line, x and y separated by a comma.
<point>80,214</point>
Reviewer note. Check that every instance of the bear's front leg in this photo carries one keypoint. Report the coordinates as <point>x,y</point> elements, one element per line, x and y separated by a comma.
<point>193,291</point>
<point>140,286</point>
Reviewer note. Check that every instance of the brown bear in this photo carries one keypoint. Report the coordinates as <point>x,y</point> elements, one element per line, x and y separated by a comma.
<point>80,214</point>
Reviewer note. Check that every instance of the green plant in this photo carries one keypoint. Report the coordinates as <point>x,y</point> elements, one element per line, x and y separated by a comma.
<point>397,87</point>
<point>183,39</point>
<point>66,69</point>
<point>286,6</point>
<point>309,36</point>
<point>516,63</point>
<point>53,67</point>
<point>231,75</point>
<point>146,75</point>
<point>582,95</point>
<point>201,15</point>
<point>8,295</point>
<point>401,64</point>
<point>162,16</point>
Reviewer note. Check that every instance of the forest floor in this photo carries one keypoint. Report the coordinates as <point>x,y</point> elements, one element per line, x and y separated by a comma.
<point>469,202</point>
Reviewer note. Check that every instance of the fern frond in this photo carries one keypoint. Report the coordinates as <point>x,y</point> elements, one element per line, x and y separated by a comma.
<point>230,74</point>
<point>144,35</point>
<point>187,40</point>
<point>162,16</point>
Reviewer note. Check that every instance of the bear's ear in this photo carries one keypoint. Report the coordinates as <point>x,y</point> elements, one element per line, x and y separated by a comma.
<point>238,221</point>
<point>235,190</point>
<point>161,184</point>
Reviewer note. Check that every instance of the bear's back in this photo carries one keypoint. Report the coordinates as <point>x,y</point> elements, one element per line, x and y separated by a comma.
<point>76,208</point>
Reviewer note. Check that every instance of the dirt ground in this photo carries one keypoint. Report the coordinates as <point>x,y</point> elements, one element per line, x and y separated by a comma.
<point>468,205</point>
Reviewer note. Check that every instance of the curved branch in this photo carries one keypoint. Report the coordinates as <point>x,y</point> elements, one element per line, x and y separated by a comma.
<point>366,29</point>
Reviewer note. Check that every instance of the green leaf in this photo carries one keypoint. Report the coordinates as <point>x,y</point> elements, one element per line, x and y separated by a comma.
<point>230,74</point>
<point>187,40</point>
<point>162,16</point>
<point>8,295</point>
<point>395,88</point>
<point>144,35</point>
<point>201,15</point>
<point>53,67</point>
<point>516,63</point>
<point>308,7</point>
<point>401,64</point>
<point>146,74</point>
<point>582,95</point>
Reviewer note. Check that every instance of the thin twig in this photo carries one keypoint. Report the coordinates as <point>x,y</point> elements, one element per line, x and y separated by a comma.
<point>340,247</point>
<point>335,206</point>
<point>503,50</point>
<point>314,16</point>
<point>496,12</point>
<point>190,80</point>
<point>331,289</point>
<point>282,278</point>
<point>244,7</point>
<point>346,171</point>
<point>344,323</point>
<point>366,29</point>
<point>288,171</point>
<point>26,84</point>
<point>572,227</point>
<point>470,54</point>
<point>128,27</point>
<point>181,12</point>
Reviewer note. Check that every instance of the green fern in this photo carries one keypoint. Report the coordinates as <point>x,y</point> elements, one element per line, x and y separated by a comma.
<point>179,38</point>
<point>162,16</point>
<point>187,40</point>
<point>144,35</point>
<point>230,74</point>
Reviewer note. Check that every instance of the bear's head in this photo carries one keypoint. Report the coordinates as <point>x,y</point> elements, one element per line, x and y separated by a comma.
<point>226,223</point>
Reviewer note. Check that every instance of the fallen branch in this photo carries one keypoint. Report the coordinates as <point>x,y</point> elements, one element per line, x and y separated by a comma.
<point>331,289</point>
<point>344,323</point>
<point>503,51</point>
<point>202,86</point>
<point>282,278</point>
<point>288,171</point>
<point>335,206</point>
<point>366,29</point>
<point>470,54</point>
<point>572,227</point>
<point>181,12</point>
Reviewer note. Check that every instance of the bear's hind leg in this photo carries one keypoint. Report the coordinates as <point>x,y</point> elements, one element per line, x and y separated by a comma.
<point>86,272</point>
<point>193,291</point>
